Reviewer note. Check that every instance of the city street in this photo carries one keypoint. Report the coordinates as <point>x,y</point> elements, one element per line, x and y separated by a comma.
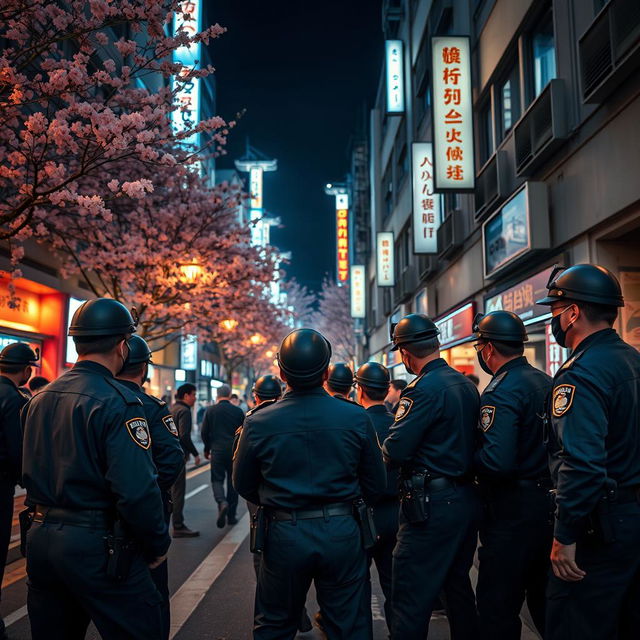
<point>211,579</point>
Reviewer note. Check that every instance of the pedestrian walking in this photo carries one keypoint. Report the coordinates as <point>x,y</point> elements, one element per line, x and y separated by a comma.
<point>339,382</point>
<point>432,442</point>
<point>98,521</point>
<point>513,478</point>
<point>219,425</point>
<point>594,445</point>
<point>166,451</point>
<point>16,362</point>
<point>372,381</point>
<point>304,460</point>
<point>393,397</point>
<point>181,412</point>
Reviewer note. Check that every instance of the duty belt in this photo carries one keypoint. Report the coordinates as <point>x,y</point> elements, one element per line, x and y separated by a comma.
<point>324,511</point>
<point>94,518</point>
<point>442,483</point>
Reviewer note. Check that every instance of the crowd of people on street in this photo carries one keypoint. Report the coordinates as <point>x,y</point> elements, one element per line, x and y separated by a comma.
<point>342,470</point>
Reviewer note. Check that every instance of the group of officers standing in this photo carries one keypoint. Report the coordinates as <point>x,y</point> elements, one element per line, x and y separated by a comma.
<point>546,471</point>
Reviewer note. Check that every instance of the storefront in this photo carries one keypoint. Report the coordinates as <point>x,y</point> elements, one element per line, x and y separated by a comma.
<point>541,350</point>
<point>36,316</point>
<point>456,333</point>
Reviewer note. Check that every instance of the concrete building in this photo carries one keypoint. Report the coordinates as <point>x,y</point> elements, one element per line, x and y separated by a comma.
<point>556,104</point>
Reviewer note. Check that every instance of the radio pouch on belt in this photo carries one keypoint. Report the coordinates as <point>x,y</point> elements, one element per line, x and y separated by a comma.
<point>258,531</point>
<point>25,517</point>
<point>413,498</point>
<point>121,550</point>
<point>364,516</point>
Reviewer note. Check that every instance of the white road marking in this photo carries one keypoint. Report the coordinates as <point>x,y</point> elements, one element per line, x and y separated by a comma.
<point>191,593</point>
<point>14,616</point>
<point>197,490</point>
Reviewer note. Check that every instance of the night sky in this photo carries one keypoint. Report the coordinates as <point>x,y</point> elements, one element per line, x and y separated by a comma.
<point>304,71</point>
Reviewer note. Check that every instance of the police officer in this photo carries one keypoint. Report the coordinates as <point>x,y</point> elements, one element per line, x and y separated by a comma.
<point>165,447</point>
<point>90,479</point>
<point>16,361</point>
<point>373,386</point>
<point>340,380</point>
<point>432,442</point>
<point>305,459</point>
<point>219,425</point>
<point>595,462</point>
<point>513,475</point>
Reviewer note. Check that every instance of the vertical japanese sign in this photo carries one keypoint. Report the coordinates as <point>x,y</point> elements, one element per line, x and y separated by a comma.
<point>395,77</point>
<point>556,355</point>
<point>342,234</point>
<point>385,276</point>
<point>426,203</point>
<point>255,215</point>
<point>188,97</point>
<point>452,114</point>
<point>358,308</point>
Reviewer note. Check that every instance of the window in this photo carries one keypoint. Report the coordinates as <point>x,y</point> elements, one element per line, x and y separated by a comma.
<point>485,132</point>
<point>423,102</point>
<point>543,54</point>
<point>387,191</point>
<point>403,166</point>
<point>508,102</point>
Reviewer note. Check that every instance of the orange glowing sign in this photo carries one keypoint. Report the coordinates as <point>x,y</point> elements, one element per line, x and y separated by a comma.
<point>342,236</point>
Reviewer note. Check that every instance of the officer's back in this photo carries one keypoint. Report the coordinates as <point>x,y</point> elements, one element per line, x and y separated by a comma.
<point>310,446</point>
<point>304,460</point>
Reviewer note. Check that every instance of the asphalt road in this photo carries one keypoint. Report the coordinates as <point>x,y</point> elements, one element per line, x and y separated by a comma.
<point>211,580</point>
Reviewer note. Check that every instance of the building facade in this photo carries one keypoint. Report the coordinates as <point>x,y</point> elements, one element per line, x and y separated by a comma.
<point>556,104</point>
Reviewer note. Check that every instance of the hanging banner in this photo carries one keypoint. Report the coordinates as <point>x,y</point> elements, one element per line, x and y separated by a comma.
<point>452,102</point>
<point>342,235</point>
<point>395,78</point>
<point>358,308</point>
<point>385,276</point>
<point>426,203</point>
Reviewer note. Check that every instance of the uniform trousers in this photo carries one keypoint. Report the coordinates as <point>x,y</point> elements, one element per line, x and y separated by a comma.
<point>160,575</point>
<point>7,491</point>
<point>435,556</point>
<point>68,587</point>
<point>327,551</point>
<point>604,604</point>
<point>221,469</point>
<point>385,515</point>
<point>177,497</point>
<point>515,536</point>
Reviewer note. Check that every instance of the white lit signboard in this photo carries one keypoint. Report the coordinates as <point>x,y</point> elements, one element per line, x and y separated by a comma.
<point>395,77</point>
<point>385,260</point>
<point>426,203</point>
<point>342,235</point>
<point>452,102</point>
<point>255,184</point>
<point>188,97</point>
<point>189,353</point>
<point>357,291</point>
<point>71,353</point>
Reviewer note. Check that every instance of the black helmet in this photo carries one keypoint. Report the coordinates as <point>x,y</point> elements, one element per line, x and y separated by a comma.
<point>267,387</point>
<point>19,353</point>
<point>138,351</point>
<point>101,317</point>
<point>373,375</point>
<point>500,325</point>
<point>584,283</point>
<point>340,376</point>
<point>416,327</point>
<point>304,354</point>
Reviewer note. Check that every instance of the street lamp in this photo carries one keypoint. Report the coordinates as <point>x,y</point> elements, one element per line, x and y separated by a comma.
<point>257,339</point>
<point>229,324</point>
<point>191,271</point>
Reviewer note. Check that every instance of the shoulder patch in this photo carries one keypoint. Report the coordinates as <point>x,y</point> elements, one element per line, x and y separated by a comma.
<point>169,422</point>
<point>139,431</point>
<point>487,416</point>
<point>260,406</point>
<point>562,399</point>
<point>495,382</point>
<point>404,406</point>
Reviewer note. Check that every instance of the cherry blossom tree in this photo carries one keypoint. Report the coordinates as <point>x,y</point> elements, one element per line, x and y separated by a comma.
<point>176,252</point>
<point>333,319</point>
<point>73,103</point>
<point>300,304</point>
